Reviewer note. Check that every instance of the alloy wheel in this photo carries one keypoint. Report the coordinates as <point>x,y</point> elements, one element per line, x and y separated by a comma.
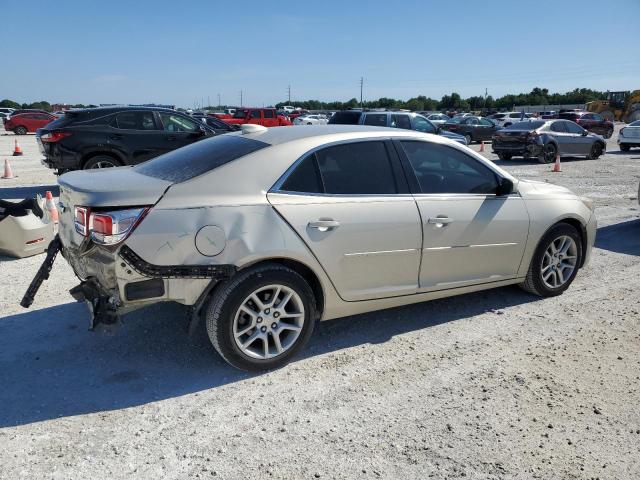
<point>268,322</point>
<point>103,164</point>
<point>559,261</point>
<point>549,153</point>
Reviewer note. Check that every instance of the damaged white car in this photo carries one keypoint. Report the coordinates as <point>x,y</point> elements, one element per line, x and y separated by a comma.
<point>265,231</point>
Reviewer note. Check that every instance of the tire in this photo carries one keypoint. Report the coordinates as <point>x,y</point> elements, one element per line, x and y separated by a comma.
<point>508,124</point>
<point>20,130</point>
<point>468,138</point>
<point>224,316</point>
<point>504,156</point>
<point>535,282</point>
<point>596,151</point>
<point>608,133</point>
<point>309,123</point>
<point>624,147</point>
<point>548,154</point>
<point>101,161</point>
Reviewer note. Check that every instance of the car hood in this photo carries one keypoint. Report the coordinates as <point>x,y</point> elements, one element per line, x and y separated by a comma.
<point>111,187</point>
<point>452,136</point>
<point>534,188</point>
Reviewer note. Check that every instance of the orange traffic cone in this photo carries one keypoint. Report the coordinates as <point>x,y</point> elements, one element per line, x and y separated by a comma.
<point>556,166</point>
<point>51,206</point>
<point>17,151</point>
<point>8,173</point>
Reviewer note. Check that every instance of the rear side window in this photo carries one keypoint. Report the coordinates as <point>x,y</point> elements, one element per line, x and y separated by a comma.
<point>443,169</point>
<point>135,121</point>
<point>558,127</point>
<point>269,114</point>
<point>198,158</point>
<point>525,125</point>
<point>255,114</point>
<point>345,118</point>
<point>305,178</point>
<point>361,168</point>
<point>376,119</point>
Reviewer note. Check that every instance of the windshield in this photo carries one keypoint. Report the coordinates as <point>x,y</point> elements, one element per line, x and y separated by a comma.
<point>240,113</point>
<point>455,120</point>
<point>526,125</point>
<point>198,158</point>
<point>635,124</point>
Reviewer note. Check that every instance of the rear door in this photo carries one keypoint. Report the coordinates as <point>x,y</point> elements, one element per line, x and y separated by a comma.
<point>350,204</point>
<point>178,130</point>
<point>485,129</point>
<point>470,235</point>
<point>270,118</point>
<point>255,116</point>
<point>136,135</point>
<point>559,132</point>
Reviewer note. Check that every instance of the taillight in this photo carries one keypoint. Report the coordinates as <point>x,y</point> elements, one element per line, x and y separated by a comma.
<point>81,220</point>
<point>55,136</point>
<point>110,228</point>
<point>621,132</point>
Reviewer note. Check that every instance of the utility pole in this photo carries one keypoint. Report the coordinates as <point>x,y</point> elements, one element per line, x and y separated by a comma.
<point>208,101</point>
<point>219,102</point>
<point>289,94</point>
<point>241,98</point>
<point>361,85</point>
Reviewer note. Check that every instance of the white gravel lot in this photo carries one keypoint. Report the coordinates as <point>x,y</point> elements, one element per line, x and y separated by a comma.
<point>493,385</point>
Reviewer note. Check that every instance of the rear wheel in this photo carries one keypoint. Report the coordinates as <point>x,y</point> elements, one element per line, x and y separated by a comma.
<point>608,133</point>
<point>548,153</point>
<point>102,161</point>
<point>468,138</point>
<point>624,147</point>
<point>504,156</point>
<point>596,151</point>
<point>262,317</point>
<point>555,262</point>
<point>20,130</point>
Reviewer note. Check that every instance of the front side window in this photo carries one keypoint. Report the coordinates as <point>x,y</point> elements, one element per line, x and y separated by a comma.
<point>177,123</point>
<point>242,113</point>
<point>401,121</point>
<point>269,114</point>
<point>135,121</point>
<point>486,123</point>
<point>376,119</point>
<point>255,114</point>
<point>421,124</point>
<point>444,169</point>
<point>598,117</point>
<point>573,127</point>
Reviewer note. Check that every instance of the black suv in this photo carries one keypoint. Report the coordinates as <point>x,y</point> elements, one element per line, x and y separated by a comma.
<point>116,136</point>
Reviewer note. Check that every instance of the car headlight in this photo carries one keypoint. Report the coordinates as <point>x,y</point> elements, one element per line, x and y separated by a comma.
<point>588,203</point>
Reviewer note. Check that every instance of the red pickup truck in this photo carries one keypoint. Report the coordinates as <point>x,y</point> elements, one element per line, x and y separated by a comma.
<point>267,117</point>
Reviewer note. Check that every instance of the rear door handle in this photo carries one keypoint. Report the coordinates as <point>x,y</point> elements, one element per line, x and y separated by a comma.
<point>440,221</point>
<point>115,136</point>
<point>324,224</point>
<point>171,137</point>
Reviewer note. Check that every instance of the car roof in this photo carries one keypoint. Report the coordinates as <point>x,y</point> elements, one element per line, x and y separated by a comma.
<point>280,135</point>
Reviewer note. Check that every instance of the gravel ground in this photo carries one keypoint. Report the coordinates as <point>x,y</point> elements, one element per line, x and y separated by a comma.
<point>493,385</point>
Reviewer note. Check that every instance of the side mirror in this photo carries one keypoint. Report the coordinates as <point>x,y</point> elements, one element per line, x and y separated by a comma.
<point>584,133</point>
<point>505,187</point>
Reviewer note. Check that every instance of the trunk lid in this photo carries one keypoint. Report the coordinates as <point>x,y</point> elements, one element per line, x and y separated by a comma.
<point>113,187</point>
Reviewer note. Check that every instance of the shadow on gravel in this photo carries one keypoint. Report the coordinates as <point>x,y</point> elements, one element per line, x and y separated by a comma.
<point>620,237</point>
<point>519,161</point>
<point>16,193</point>
<point>51,366</point>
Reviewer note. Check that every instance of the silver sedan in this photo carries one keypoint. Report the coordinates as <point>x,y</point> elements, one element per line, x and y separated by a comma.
<point>265,231</point>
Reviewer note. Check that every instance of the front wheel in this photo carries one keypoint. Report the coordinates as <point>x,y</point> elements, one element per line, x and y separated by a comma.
<point>259,319</point>
<point>101,161</point>
<point>555,262</point>
<point>596,151</point>
<point>608,133</point>
<point>504,156</point>
<point>624,147</point>
<point>468,138</point>
<point>20,130</point>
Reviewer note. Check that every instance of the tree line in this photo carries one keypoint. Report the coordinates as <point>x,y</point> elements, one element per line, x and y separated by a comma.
<point>537,96</point>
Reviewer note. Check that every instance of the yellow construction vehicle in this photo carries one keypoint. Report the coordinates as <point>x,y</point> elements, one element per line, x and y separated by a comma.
<point>620,106</point>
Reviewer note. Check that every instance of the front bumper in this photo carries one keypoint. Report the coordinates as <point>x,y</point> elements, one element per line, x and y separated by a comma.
<point>591,228</point>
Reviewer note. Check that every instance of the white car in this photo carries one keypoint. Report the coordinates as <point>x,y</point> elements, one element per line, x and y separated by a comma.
<point>288,109</point>
<point>509,118</point>
<point>629,136</point>
<point>310,120</point>
<point>438,118</point>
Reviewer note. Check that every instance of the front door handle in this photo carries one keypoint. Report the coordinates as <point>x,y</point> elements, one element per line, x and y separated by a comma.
<point>115,136</point>
<point>440,221</point>
<point>324,224</point>
<point>171,137</point>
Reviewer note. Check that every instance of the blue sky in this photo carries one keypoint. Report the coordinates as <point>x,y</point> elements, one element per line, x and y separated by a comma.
<point>181,52</point>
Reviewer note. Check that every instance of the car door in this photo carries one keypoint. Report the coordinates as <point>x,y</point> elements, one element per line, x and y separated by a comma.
<point>255,117</point>
<point>558,131</point>
<point>270,118</point>
<point>350,204</point>
<point>400,121</point>
<point>421,124</point>
<point>580,141</point>
<point>179,130</point>
<point>470,234</point>
<point>485,129</point>
<point>136,135</point>
<point>375,119</point>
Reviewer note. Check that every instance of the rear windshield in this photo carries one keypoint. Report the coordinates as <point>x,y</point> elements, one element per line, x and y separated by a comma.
<point>635,124</point>
<point>526,125</point>
<point>345,118</point>
<point>198,158</point>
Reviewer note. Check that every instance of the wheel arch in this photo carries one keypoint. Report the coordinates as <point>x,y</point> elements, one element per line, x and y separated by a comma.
<point>582,231</point>
<point>94,153</point>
